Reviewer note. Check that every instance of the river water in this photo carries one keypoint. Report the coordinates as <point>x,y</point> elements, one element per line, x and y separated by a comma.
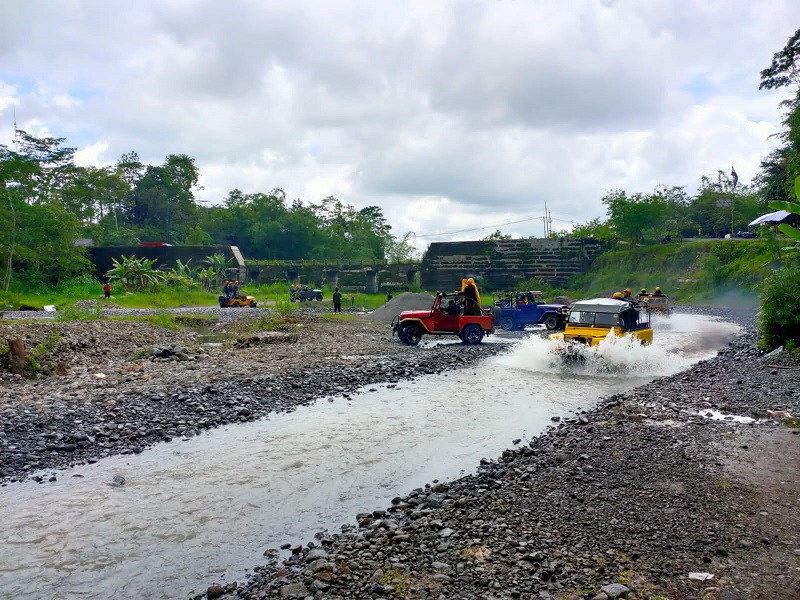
<point>203,510</point>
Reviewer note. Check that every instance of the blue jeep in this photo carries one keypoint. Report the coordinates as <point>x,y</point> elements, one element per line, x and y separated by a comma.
<point>517,310</point>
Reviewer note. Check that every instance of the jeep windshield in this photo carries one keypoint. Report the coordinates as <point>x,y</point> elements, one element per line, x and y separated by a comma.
<point>593,318</point>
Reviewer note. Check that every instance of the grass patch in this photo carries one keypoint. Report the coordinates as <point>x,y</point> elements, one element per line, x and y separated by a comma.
<point>168,320</point>
<point>397,580</point>
<point>88,288</point>
<point>142,353</point>
<point>793,422</point>
<point>272,321</point>
<point>279,294</point>
<point>79,313</point>
<point>338,317</point>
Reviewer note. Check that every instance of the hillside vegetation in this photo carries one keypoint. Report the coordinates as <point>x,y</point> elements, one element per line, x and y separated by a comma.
<point>689,271</point>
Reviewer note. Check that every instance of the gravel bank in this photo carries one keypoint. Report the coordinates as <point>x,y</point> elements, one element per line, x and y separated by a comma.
<point>629,498</point>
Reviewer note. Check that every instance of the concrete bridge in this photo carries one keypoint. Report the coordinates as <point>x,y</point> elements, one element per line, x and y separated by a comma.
<point>370,276</point>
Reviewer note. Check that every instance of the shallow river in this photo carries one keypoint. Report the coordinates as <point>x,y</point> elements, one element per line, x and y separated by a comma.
<point>193,511</point>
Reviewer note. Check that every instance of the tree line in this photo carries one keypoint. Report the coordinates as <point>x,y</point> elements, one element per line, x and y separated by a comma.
<point>48,202</point>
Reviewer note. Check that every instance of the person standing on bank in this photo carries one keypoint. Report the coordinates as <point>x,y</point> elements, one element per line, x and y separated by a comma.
<point>107,291</point>
<point>337,301</point>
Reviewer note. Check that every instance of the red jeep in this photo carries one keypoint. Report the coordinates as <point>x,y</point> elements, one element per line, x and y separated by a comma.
<point>446,317</point>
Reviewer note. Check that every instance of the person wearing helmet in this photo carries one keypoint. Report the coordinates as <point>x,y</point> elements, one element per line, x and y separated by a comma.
<point>617,296</point>
<point>626,295</point>
<point>658,292</point>
<point>642,293</point>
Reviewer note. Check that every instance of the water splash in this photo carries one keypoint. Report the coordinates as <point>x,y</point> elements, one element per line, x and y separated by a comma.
<point>678,343</point>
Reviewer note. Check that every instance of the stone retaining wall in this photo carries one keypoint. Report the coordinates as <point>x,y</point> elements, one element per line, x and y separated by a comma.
<point>502,264</point>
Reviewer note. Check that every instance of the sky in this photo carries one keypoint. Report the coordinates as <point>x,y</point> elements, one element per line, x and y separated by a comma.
<point>455,117</point>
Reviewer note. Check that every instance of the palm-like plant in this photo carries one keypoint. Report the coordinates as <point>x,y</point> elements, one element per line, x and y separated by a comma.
<point>135,274</point>
<point>217,264</point>
<point>183,274</point>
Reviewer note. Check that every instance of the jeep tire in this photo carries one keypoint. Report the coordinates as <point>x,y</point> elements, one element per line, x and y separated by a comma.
<point>472,334</point>
<point>551,321</point>
<point>410,334</point>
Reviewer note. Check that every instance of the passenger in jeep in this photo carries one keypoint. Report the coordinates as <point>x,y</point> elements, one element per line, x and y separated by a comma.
<point>452,308</point>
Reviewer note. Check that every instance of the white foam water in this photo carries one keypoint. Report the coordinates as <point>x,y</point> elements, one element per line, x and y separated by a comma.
<point>678,342</point>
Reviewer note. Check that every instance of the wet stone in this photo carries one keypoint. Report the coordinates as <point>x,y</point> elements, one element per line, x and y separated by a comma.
<point>615,590</point>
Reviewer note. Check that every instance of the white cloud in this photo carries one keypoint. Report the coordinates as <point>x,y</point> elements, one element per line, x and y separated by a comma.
<point>93,155</point>
<point>447,115</point>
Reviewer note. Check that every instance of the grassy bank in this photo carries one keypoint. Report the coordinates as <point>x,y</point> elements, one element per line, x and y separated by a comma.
<point>86,288</point>
<point>693,272</point>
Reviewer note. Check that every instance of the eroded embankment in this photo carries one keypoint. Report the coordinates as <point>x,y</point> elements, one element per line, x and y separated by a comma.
<point>640,492</point>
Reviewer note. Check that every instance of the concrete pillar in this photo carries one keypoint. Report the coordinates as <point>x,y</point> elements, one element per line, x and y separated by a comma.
<point>238,260</point>
<point>293,276</point>
<point>371,282</point>
<point>332,278</point>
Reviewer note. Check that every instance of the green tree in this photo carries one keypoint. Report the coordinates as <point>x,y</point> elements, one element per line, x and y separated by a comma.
<point>401,250</point>
<point>635,217</point>
<point>596,228</point>
<point>36,241</point>
<point>53,167</point>
<point>163,198</point>
<point>718,203</point>
<point>497,235</point>
<point>784,70</point>
<point>198,237</point>
<point>781,167</point>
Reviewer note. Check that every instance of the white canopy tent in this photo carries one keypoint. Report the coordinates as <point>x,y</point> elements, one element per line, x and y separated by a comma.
<point>779,216</point>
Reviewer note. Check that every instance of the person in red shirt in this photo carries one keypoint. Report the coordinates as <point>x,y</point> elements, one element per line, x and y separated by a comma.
<point>107,291</point>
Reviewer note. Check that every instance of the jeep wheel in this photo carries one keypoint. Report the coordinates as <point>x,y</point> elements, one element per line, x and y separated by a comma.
<point>252,305</point>
<point>551,322</point>
<point>472,334</point>
<point>507,323</point>
<point>410,334</point>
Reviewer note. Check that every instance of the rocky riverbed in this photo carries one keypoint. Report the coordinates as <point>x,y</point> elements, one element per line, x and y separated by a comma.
<point>660,492</point>
<point>116,387</point>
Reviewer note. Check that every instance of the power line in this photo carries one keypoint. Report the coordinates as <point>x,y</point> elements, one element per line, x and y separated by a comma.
<point>428,235</point>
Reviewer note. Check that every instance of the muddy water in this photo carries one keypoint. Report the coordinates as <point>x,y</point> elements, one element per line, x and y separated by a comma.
<point>192,512</point>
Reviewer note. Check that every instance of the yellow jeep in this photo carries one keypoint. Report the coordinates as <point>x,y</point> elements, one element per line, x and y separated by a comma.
<point>590,321</point>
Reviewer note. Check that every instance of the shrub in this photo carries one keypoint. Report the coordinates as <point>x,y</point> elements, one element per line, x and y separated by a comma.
<point>780,309</point>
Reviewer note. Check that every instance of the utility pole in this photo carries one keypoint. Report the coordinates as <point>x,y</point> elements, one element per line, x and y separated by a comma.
<point>16,139</point>
<point>548,222</point>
